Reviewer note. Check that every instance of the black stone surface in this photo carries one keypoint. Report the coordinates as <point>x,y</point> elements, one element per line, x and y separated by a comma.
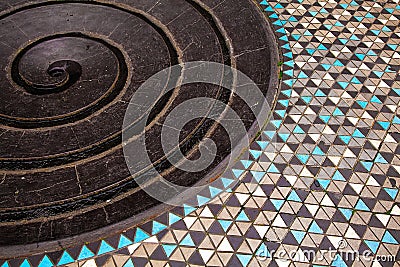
<point>67,72</point>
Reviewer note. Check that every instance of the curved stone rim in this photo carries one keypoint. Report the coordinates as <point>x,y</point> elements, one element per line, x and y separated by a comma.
<point>135,221</point>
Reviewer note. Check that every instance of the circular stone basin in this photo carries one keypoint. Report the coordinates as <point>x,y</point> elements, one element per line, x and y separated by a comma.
<point>68,71</point>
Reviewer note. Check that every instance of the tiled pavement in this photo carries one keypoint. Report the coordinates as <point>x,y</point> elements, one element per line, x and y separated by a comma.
<point>325,178</point>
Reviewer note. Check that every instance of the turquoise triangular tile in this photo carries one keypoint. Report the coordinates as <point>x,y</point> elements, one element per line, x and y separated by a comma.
<point>388,238</point>
<point>392,192</point>
<point>298,130</point>
<point>65,259</point>
<point>124,241</point>
<point>244,259</point>
<point>45,262</point>
<point>296,36</point>
<point>246,163</point>
<point>397,91</point>
<point>214,191</point>
<point>225,224</point>
<point>369,16</point>
<point>85,253</point>
<point>358,134</point>
<point>187,241</point>
<point>380,159</point>
<point>375,99</point>
<point>270,134</point>
<point>284,136</point>
<point>140,235</point>
<point>281,113</point>
<point>308,33</point>
<point>272,169</point>
<point>263,144</point>
<point>284,38</point>
<point>337,176</point>
<point>202,200</point>
<point>288,54</point>
<point>362,104</point>
<point>325,118</point>
<point>323,11</point>
<point>322,47</point>
<point>315,229</point>
<point>355,80</point>
<point>354,3</point>
<point>289,63</point>
<point>384,124</point>
<point>189,209</point>
<point>237,172</point>
<point>318,151</point>
<point>284,102</point>
<point>129,263</point>
<point>367,165</point>
<point>257,175</point>
<point>361,206</point>
<point>307,99</point>
<point>324,183</point>
<point>276,123</point>
<point>302,75</point>
<point>337,112</point>
<point>25,263</point>
<point>288,92</point>
<point>390,10</point>
<point>360,56</point>
<point>326,66</point>
<point>373,245</point>
<point>319,93</point>
<point>226,182</point>
<point>242,217</point>
<point>303,158</point>
<point>157,227</point>
<point>255,153</point>
<point>173,218</point>
<point>263,252</point>
<point>294,197</point>
<point>339,63</point>
<point>104,248</point>
<point>347,213</point>
<point>299,235</point>
<point>169,249</point>
<point>278,203</point>
<point>338,261</point>
<point>379,74</point>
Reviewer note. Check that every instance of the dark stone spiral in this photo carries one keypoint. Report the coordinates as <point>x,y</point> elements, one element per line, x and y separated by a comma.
<point>67,72</point>
<point>55,74</point>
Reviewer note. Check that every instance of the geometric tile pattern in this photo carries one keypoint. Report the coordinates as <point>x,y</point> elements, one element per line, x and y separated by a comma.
<point>325,174</point>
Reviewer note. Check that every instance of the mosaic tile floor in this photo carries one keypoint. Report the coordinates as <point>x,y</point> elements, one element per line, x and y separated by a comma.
<point>324,181</point>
